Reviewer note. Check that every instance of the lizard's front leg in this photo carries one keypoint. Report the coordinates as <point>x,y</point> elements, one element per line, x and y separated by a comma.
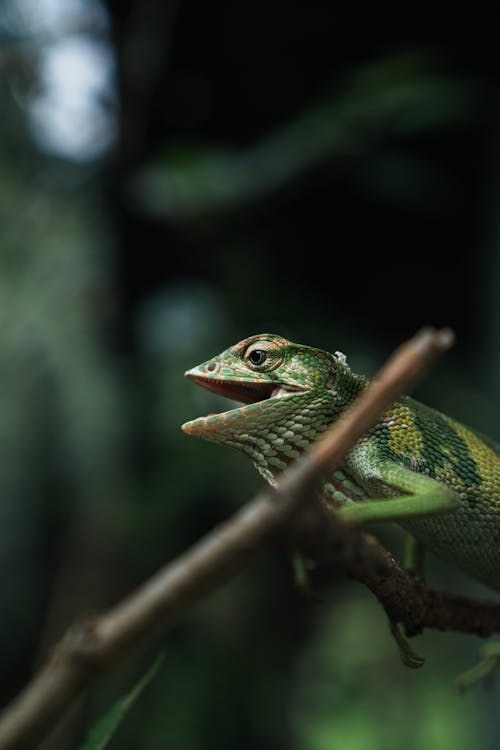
<point>424,497</point>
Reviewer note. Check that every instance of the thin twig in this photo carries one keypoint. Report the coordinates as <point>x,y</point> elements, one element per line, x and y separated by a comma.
<point>91,647</point>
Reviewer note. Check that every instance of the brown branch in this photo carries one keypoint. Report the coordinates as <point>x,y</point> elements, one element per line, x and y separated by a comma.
<point>95,645</point>
<point>405,599</point>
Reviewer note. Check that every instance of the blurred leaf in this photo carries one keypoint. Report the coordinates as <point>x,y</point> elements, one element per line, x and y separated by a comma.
<point>103,731</point>
<point>399,97</point>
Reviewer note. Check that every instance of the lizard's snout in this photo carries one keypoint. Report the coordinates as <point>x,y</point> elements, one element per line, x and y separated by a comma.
<point>209,368</point>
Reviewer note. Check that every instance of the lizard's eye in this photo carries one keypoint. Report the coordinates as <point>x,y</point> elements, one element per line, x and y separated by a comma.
<point>263,356</point>
<point>257,356</point>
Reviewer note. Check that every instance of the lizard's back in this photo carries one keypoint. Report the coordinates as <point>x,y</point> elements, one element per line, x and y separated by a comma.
<point>431,443</point>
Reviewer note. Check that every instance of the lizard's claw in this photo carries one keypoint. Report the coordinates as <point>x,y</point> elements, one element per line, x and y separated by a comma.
<point>483,670</point>
<point>301,576</point>
<point>408,656</point>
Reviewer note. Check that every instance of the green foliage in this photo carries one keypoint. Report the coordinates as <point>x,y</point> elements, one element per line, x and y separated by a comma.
<point>101,734</point>
<point>397,98</point>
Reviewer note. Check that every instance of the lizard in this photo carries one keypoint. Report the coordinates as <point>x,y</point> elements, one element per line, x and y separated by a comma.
<point>418,467</point>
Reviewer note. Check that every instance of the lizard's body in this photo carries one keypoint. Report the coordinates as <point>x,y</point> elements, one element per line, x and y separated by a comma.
<point>434,476</point>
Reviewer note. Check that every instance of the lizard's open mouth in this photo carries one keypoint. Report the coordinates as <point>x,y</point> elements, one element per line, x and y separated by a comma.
<point>245,393</point>
<point>241,391</point>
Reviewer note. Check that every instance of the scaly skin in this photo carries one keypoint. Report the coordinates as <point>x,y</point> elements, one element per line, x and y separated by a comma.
<point>437,478</point>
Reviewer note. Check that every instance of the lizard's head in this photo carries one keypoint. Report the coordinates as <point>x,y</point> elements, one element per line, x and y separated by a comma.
<point>275,380</point>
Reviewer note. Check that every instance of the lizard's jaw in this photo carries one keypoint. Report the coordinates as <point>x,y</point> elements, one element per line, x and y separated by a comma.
<point>253,394</point>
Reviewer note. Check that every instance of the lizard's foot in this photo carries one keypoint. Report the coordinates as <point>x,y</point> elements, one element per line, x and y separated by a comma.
<point>408,656</point>
<point>484,669</point>
<point>414,558</point>
<point>301,575</point>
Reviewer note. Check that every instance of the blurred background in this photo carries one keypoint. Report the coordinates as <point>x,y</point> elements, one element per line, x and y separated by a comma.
<point>175,176</point>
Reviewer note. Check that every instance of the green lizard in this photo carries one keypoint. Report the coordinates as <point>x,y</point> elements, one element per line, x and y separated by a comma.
<point>437,478</point>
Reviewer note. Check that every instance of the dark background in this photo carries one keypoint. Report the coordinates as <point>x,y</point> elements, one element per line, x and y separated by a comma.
<point>328,172</point>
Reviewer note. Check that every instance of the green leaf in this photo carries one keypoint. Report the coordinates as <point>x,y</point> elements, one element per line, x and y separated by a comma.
<point>104,729</point>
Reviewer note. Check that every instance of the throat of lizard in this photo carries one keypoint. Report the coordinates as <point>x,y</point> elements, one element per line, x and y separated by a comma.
<point>273,431</point>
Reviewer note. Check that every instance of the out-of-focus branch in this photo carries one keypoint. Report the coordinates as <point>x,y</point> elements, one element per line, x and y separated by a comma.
<point>91,647</point>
